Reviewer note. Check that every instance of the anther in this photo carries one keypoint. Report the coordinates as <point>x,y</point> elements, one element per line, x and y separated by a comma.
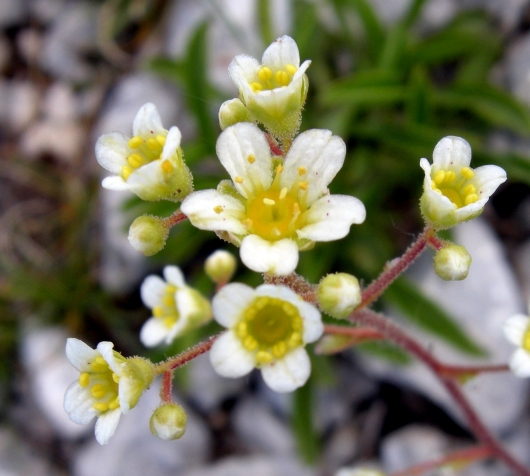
<point>161,140</point>
<point>158,311</point>
<point>251,159</point>
<point>295,339</point>
<point>256,87</point>
<point>526,341</point>
<point>126,172</point>
<point>282,78</point>
<point>439,177</point>
<point>283,193</point>
<point>250,343</point>
<point>169,321</point>
<point>135,160</point>
<point>98,391</point>
<point>450,176</point>
<point>115,377</point>
<point>100,406</point>
<point>269,202</point>
<point>114,404</point>
<point>84,379</point>
<point>279,169</point>
<point>471,198</point>
<point>468,189</point>
<point>302,170</point>
<point>152,144</point>
<point>291,69</point>
<point>303,185</point>
<point>264,73</point>
<point>242,329</point>
<point>135,142</point>
<point>218,209</point>
<point>167,167</point>
<point>263,357</point>
<point>279,349</point>
<point>238,179</point>
<point>467,172</point>
<point>168,300</point>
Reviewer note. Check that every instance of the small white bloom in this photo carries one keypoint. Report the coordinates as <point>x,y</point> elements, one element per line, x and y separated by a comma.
<point>176,307</point>
<point>108,386</point>
<point>150,163</point>
<point>452,191</point>
<point>267,329</point>
<point>273,210</point>
<point>274,91</point>
<point>517,331</point>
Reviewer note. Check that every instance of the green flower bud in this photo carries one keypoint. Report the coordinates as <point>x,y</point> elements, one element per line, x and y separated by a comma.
<point>232,112</point>
<point>148,234</point>
<point>339,294</point>
<point>220,266</point>
<point>168,422</point>
<point>452,263</point>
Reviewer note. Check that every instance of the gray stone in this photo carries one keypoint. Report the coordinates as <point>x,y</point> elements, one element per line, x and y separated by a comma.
<point>134,451</point>
<point>517,68</point>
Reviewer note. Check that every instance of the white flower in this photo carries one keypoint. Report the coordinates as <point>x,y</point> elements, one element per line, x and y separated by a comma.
<point>274,91</point>
<point>452,191</point>
<point>357,471</point>
<point>517,331</point>
<point>150,163</point>
<point>108,386</point>
<point>274,209</point>
<point>176,307</point>
<point>267,328</point>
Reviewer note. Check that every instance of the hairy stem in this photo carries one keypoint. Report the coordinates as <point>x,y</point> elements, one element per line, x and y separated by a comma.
<point>165,390</point>
<point>176,217</point>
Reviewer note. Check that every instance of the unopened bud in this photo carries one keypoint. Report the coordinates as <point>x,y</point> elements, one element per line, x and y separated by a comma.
<point>339,294</point>
<point>358,472</point>
<point>452,263</point>
<point>220,266</point>
<point>148,234</point>
<point>232,112</point>
<point>168,421</point>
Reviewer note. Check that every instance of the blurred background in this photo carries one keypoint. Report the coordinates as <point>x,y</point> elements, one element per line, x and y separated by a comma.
<point>391,78</point>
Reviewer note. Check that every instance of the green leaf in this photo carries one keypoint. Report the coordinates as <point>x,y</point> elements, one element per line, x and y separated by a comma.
<point>385,351</point>
<point>303,423</point>
<point>264,21</point>
<point>372,26</point>
<point>427,315</point>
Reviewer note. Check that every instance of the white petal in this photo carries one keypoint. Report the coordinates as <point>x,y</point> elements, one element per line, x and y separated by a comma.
<point>243,70</point>
<point>234,146</point>
<point>147,122</point>
<point>451,152</point>
<point>112,151</point>
<point>330,218</point>
<point>515,328</point>
<point>487,179</point>
<point>174,275</point>
<point>78,404</point>
<point>116,183</point>
<point>106,425</point>
<point>199,208</point>
<point>229,358</point>
<point>79,354</point>
<point>289,373</point>
<point>153,332</point>
<point>282,52</point>
<point>313,327</point>
<point>150,177</point>
<point>152,290</point>
<point>278,258</point>
<point>172,143</point>
<point>230,302</point>
<point>106,349</point>
<point>321,154</point>
<point>280,292</point>
<point>520,363</point>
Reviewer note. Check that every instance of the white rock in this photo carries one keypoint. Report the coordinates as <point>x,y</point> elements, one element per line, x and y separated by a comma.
<point>46,10</point>
<point>517,66</point>
<point>19,102</point>
<point>59,103</point>
<point>29,44</point>
<point>134,451</point>
<point>481,303</point>
<point>255,466</point>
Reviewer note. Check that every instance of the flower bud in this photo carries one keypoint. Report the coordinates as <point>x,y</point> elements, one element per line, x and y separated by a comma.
<point>339,294</point>
<point>220,266</point>
<point>358,472</point>
<point>168,421</point>
<point>452,263</point>
<point>148,234</point>
<point>232,112</point>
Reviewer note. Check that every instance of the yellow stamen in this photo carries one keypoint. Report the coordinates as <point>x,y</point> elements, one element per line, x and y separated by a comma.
<point>450,176</point>
<point>251,159</point>
<point>158,311</point>
<point>526,341</point>
<point>84,379</point>
<point>239,179</point>
<point>282,78</point>
<point>295,339</point>
<point>269,202</point>
<point>152,144</point>
<point>167,167</point>
<point>242,329</point>
<point>98,391</point>
<point>264,73</point>
<point>114,404</point>
<point>468,189</point>
<point>467,172</point>
<point>115,377</point>
<point>291,69</point>
<point>256,87</point>
<point>439,177</point>
<point>135,160</point>
<point>302,170</point>
<point>303,185</point>
<point>168,300</point>
<point>135,142</point>
<point>169,321</point>
<point>100,407</point>
<point>471,198</point>
<point>250,343</point>
<point>283,193</point>
<point>126,172</point>
<point>218,209</point>
<point>297,323</point>
<point>263,357</point>
<point>161,140</point>
<point>279,349</point>
<point>279,169</point>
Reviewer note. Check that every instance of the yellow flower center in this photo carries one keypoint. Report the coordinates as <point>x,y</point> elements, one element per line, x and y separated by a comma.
<point>144,151</point>
<point>270,327</point>
<point>103,384</point>
<point>457,186</point>
<point>167,310</point>
<point>267,79</point>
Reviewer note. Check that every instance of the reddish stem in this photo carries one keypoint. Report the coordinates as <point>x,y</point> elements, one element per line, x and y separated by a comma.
<point>165,390</point>
<point>435,242</point>
<point>468,455</point>
<point>393,333</point>
<point>394,269</point>
<point>360,334</point>
<point>456,371</point>
<point>174,218</point>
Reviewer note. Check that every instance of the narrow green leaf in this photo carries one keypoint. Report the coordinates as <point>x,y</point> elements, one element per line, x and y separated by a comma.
<point>385,351</point>
<point>372,25</point>
<point>303,424</point>
<point>264,21</point>
<point>413,12</point>
<point>427,315</point>
<point>394,48</point>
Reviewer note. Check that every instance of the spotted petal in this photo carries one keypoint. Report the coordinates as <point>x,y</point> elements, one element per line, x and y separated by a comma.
<point>147,122</point>
<point>289,373</point>
<point>229,358</point>
<point>79,354</point>
<point>280,53</point>
<point>451,153</point>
